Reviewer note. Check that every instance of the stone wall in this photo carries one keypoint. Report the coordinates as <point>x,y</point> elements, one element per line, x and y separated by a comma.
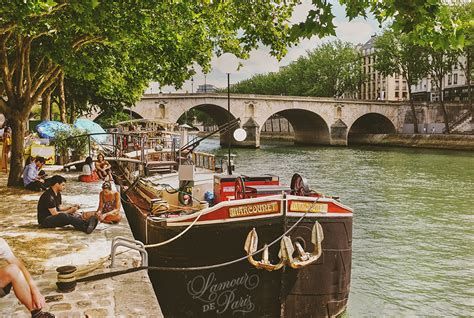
<point>439,141</point>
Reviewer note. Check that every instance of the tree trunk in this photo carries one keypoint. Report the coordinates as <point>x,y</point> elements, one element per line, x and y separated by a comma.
<point>46,105</point>
<point>413,111</point>
<point>443,107</point>
<point>468,77</point>
<point>16,161</point>
<point>62,99</point>
<point>72,115</point>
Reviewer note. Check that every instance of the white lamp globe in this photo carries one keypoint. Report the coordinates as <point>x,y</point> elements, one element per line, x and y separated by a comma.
<point>240,134</point>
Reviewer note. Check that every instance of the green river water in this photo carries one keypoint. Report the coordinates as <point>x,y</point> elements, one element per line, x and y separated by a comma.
<point>413,235</point>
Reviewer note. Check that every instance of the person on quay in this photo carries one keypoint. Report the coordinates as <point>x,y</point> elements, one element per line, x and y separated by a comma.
<point>103,168</point>
<point>108,210</point>
<point>6,147</point>
<point>15,275</point>
<point>33,179</point>
<point>51,212</point>
<point>88,172</point>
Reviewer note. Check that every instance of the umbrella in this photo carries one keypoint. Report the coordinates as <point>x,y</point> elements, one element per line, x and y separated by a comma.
<point>47,128</point>
<point>92,128</point>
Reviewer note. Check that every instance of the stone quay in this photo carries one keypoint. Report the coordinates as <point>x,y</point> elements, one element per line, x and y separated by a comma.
<point>43,250</point>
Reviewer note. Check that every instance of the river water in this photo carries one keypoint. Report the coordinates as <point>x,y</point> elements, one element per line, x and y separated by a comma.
<point>413,252</point>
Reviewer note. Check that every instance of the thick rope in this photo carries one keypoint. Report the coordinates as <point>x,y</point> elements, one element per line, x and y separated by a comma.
<point>175,269</point>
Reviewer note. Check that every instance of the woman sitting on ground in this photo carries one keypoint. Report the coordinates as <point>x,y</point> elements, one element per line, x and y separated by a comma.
<point>103,168</point>
<point>88,172</point>
<point>109,205</point>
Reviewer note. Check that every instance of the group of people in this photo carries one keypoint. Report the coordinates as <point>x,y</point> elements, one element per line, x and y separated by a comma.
<point>52,213</point>
<point>94,172</point>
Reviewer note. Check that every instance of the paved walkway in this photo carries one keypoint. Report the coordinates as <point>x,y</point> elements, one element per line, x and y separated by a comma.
<point>42,250</point>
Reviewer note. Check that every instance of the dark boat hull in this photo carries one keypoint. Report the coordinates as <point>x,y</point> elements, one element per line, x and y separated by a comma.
<point>317,290</point>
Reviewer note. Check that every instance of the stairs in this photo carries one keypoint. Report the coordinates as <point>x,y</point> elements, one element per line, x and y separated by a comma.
<point>462,124</point>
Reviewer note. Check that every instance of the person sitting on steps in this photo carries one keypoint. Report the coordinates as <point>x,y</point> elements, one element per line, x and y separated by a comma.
<point>103,168</point>
<point>15,275</point>
<point>51,212</point>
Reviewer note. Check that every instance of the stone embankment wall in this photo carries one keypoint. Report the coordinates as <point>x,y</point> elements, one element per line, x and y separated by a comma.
<point>439,141</point>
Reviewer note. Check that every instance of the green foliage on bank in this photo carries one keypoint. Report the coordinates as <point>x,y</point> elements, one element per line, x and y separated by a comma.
<point>332,69</point>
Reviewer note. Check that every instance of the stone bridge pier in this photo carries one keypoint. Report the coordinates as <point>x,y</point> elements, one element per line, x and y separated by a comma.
<point>315,121</point>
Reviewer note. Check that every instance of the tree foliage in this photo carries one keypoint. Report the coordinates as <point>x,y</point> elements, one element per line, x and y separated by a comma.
<point>331,70</point>
<point>107,51</point>
<point>398,54</point>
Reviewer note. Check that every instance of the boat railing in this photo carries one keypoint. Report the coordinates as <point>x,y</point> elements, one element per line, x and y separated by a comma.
<point>146,151</point>
<point>204,160</point>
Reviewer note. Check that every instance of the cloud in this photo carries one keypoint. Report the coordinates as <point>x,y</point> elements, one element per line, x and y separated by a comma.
<point>355,31</point>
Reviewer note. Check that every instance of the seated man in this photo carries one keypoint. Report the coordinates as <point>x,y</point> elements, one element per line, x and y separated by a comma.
<point>32,180</point>
<point>17,276</point>
<point>51,213</point>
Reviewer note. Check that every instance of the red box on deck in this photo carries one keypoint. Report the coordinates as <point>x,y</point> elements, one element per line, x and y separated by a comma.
<point>224,185</point>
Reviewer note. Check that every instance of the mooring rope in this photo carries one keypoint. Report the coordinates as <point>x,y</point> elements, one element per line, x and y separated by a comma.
<point>195,268</point>
<point>165,185</point>
<point>177,236</point>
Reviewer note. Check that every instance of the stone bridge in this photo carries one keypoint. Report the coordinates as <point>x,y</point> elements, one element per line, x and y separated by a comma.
<point>323,121</point>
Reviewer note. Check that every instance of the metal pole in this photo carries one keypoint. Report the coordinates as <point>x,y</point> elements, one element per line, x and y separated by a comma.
<point>229,167</point>
<point>89,142</point>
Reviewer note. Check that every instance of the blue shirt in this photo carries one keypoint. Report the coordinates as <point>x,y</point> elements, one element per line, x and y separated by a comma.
<point>30,173</point>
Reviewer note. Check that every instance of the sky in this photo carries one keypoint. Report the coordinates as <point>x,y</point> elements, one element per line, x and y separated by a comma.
<point>356,31</point>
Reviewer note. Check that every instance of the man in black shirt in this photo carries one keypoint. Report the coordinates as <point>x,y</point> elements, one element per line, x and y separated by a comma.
<point>52,214</point>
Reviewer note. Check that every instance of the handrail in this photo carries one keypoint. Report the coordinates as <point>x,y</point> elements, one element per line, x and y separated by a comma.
<point>460,119</point>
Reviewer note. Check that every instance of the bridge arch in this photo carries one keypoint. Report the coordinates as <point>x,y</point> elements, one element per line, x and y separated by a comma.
<point>218,114</point>
<point>309,127</point>
<point>371,123</point>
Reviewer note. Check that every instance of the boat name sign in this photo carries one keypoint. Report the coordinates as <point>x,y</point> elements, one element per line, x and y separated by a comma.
<point>254,209</point>
<point>227,296</point>
<point>301,206</point>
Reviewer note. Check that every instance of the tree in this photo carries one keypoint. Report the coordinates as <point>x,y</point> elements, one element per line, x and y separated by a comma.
<point>397,54</point>
<point>445,38</point>
<point>465,12</point>
<point>40,40</point>
<point>331,70</point>
<point>441,63</point>
<point>149,40</point>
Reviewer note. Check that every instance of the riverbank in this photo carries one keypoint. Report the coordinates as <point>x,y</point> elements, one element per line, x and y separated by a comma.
<point>43,250</point>
<point>434,141</point>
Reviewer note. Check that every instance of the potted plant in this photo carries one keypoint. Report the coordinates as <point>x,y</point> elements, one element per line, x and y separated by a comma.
<point>70,141</point>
